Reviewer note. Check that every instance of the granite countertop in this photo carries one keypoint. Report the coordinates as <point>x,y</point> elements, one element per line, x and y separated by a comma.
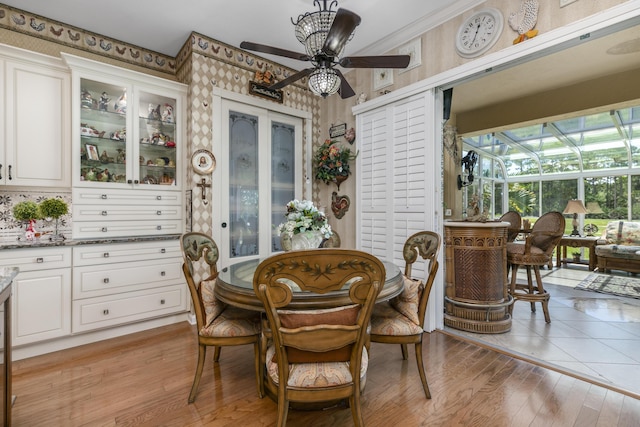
<point>46,243</point>
<point>6,276</point>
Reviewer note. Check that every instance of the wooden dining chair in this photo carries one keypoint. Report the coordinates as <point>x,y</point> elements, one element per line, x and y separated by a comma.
<point>217,324</point>
<point>536,251</point>
<point>401,320</point>
<point>318,355</point>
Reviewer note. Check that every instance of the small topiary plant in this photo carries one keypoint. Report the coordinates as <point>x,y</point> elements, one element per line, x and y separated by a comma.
<point>26,211</point>
<point>53,208</point>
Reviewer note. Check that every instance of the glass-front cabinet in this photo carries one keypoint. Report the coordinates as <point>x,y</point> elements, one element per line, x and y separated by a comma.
<point>129,140</point>
<point>128,136</point>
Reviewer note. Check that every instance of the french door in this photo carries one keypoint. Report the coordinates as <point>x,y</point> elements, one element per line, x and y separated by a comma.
<point>261,171</point>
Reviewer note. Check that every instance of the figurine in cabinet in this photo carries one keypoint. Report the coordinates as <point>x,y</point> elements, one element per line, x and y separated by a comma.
<point>86,100</point>
<point>121,104</point>
<point>154,112</point>
<point>167,114</point>
<point>103,104</point>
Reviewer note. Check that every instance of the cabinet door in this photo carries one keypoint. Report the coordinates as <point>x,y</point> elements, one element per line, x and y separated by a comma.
<point>38,136</point>
<point>41,305</point>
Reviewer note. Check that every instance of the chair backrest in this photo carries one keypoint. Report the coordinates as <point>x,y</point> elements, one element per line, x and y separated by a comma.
<point>336,334</point>
<point>425,244</point>
<point>547,231</point>
<point>515,222</point>
<point>200,255</point>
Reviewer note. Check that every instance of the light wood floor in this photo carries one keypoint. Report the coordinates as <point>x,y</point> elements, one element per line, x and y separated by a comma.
<point>144,379</point>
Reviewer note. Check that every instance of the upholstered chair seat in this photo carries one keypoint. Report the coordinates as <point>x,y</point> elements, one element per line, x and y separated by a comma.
<point>386,320</point>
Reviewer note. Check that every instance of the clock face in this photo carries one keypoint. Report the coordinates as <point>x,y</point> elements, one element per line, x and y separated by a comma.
<point>479,33</point>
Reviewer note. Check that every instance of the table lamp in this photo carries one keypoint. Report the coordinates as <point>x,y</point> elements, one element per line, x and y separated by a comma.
<point>575,207</point>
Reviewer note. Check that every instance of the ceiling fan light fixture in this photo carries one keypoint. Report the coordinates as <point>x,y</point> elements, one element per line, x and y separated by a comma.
<point>324,82</point>
<point>311,30</point>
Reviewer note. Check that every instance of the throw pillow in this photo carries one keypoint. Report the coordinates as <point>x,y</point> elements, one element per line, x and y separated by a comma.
<point>334,316</point>
<point>408,301</point>
<point>212,305</point>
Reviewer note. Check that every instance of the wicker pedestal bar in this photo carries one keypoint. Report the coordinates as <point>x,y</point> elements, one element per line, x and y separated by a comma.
<point>476,293</point>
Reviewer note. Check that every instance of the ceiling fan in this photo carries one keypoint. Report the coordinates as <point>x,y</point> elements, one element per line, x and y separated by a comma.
<point>324,34</point>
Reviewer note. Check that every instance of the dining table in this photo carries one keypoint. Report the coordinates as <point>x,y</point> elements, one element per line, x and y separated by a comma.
<point>235,287</point>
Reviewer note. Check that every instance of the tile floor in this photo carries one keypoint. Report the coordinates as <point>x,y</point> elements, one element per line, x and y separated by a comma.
<point>591,335</point>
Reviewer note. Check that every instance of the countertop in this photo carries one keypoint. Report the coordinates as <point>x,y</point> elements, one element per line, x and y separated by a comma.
<point>6,276</point>
<point>46,243</point>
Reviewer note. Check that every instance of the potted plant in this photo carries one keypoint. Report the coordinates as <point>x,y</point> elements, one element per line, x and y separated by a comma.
<point>305,226</point>
<point>53,208</point>
<point>576,256</point>
<point>27,211</point>
<point>331,162</point>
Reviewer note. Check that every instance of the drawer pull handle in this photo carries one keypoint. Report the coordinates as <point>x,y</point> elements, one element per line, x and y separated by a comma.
<point>162,301</point>
<point>105,255</point>
<point>104,197</point>
<point>104,213</point>
<point>105,280</point>
<point>162,273</point>
<point>159,213</point>
<point>105,311</point>
<point>159,227</point>
<point>104,229</point>
<point>158,197</point>
<point>163,250</point>
<point>39,260</point>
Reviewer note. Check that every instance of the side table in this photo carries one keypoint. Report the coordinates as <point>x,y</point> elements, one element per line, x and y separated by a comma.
<point>577,242</point>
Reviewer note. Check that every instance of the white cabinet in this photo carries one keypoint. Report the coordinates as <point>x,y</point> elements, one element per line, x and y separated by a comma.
<point>41,301</point>
<point>35,106</point>
<point>121,283</point>
<point>129,144</point>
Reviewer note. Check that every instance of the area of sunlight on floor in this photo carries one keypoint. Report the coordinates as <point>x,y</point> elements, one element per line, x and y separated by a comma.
<point>591,334</point>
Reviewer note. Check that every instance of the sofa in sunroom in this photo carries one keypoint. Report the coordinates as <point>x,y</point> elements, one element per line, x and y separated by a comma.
<point>619,247</point>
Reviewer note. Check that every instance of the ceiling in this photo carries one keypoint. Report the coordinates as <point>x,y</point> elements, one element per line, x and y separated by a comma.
<point>162,26</point>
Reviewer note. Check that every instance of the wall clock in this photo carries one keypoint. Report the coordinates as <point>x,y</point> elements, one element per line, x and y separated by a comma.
<point>479,33</point>
<point>203,162</point>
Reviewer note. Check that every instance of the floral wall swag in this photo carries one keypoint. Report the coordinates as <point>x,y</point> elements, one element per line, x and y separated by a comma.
<point>331,162</point>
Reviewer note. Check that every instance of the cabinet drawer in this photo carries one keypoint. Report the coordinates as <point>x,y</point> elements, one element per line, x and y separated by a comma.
<point>126,213</point>
<point>108,229</point>
<point>92,281</point>
<point>110,197</point>
<point>125,252</point>
<point>100,312</point>
<point>36,259</point>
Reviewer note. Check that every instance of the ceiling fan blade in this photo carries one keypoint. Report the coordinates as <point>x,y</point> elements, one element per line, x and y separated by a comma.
<point>274,51</point>
<point>292,78</point>
<point>346,91</point>
<point>382,61</point>
<point>343,25</point>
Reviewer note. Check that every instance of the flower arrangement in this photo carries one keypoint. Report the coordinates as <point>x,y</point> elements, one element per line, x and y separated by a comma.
<point>303,216</point>
<point>332,161</point>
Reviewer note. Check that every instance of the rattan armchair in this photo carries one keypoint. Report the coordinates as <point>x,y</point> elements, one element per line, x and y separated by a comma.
<point>536,251</point>
<point>318,355</point>
<point>515,222</point>
<point>401,320</point>
<point>217,323</point>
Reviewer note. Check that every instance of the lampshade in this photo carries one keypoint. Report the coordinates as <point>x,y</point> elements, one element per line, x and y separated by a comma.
<point>594,208</point>
<point>312,28</point>
<point>575,207</point>
<point>324,81</point>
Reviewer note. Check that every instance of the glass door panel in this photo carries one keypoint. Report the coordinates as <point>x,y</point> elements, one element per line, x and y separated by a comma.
<point>156,162</point>
<point>243,185</point>
<point>283,168</point>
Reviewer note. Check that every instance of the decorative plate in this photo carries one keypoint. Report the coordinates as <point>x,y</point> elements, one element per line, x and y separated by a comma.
<point>203,162</point>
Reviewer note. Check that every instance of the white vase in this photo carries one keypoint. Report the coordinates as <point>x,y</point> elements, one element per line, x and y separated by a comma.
<point>306,240</point>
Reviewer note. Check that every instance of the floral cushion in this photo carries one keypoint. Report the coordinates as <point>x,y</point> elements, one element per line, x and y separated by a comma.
<point>212,305</point>
<point>623,233</point>
<point>386,320</point>
<point>233,322</point>
<point>316,374</point>
<point>407,302</point>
